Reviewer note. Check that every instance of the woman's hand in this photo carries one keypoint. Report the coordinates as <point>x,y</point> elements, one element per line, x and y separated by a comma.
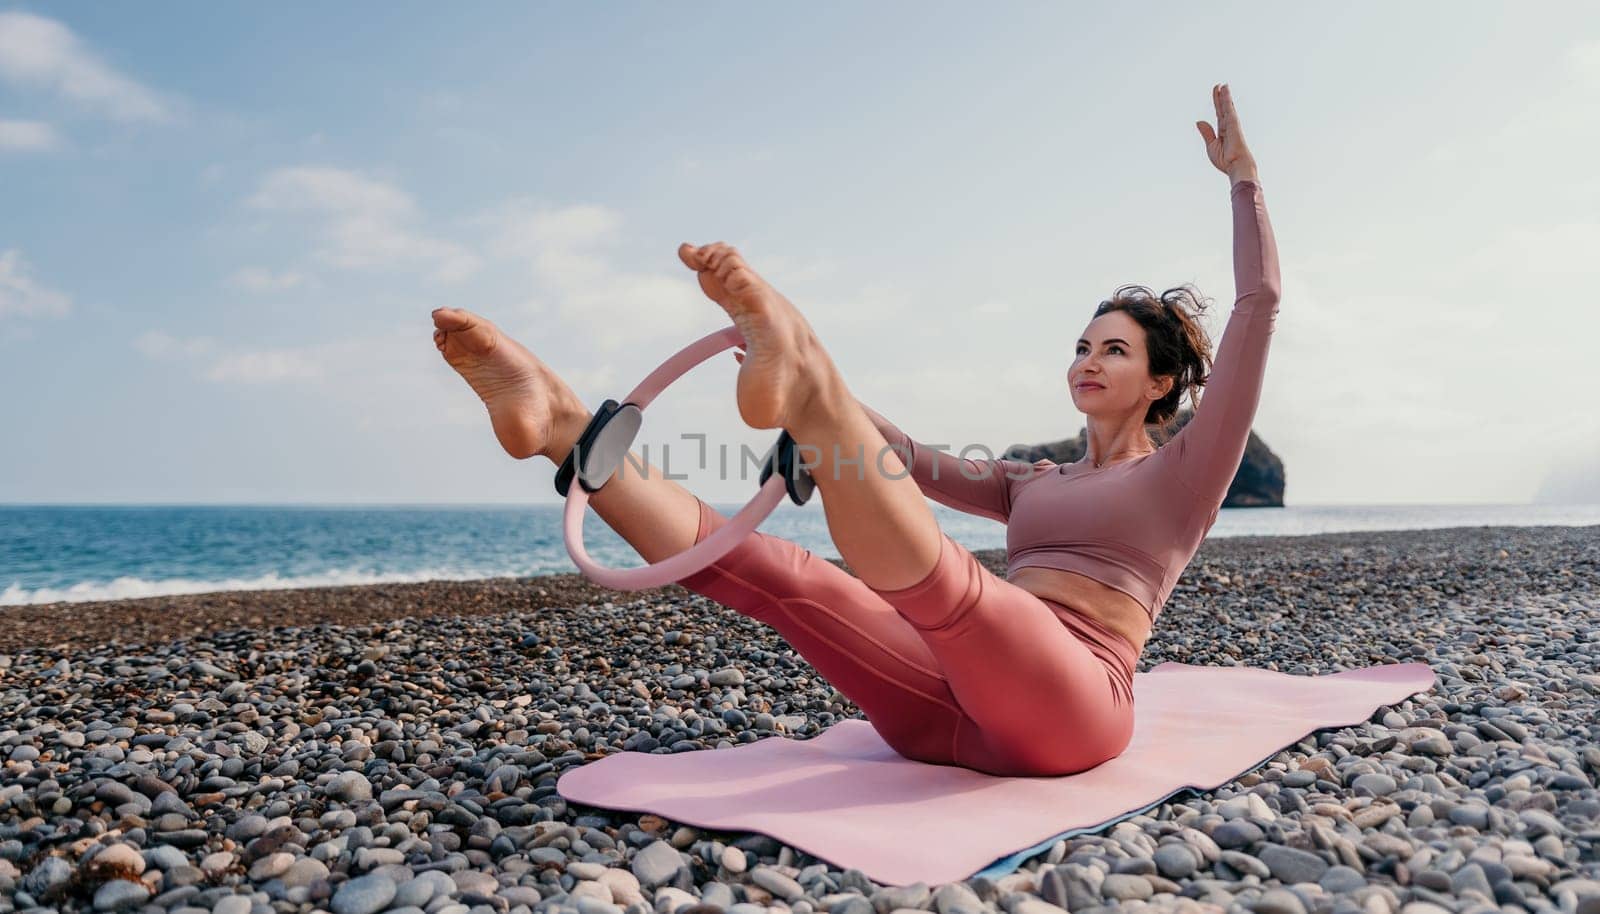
<point>1225,145</point>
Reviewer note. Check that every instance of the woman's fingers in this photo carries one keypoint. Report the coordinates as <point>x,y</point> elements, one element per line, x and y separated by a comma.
<point>1233,113</point>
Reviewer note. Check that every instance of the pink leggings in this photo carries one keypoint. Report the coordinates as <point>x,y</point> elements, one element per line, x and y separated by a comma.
<point>963,668</point>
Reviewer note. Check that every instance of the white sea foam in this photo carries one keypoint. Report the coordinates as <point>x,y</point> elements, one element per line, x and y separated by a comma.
<point>132,588</point>
<point>808,527</point>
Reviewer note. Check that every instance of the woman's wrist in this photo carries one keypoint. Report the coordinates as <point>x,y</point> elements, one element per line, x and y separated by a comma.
<point>1243,174</point>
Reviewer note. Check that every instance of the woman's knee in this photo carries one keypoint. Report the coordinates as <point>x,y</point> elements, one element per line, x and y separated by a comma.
<point>943,598</point>
<point>931,740</point>
<point>1068,749</point>
<point>763,570</point>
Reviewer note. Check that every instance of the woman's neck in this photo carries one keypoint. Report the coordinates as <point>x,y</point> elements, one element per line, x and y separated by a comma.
<point>1116,441</point>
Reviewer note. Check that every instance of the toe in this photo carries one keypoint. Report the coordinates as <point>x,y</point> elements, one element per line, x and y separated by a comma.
<point>452,319</point>
<point>734,272</point>
<point>690,255</point>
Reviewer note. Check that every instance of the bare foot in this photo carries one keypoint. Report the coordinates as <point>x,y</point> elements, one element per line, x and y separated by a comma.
<point>529,405</point>
<point>785,369</point>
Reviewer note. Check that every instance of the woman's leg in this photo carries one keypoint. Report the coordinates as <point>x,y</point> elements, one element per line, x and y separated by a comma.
<point>851,636</point>
<point>1041,698</point>
<point>877,515</point>
<point>534,412</point>
<point>1003,686</point>
<point>1050,691</point>
<point>999,682</point>
<point>894,671</point>
<point>854,640</point>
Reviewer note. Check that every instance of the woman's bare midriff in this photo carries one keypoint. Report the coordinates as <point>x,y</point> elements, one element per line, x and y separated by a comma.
<point>1106,605</point>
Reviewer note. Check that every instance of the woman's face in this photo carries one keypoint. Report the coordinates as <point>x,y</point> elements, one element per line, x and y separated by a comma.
<point>1110,375</point>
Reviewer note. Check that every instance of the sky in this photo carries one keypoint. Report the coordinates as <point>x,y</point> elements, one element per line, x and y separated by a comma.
<point>223,229</point>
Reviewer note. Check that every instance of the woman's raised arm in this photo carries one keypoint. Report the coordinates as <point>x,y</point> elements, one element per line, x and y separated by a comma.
<point>1207,451</point>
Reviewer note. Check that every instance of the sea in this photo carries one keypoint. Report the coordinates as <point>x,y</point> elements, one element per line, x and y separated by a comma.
<point>81,553</point>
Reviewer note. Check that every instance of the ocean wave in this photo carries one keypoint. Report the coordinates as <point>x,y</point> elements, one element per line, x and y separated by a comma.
<point>132,588</point>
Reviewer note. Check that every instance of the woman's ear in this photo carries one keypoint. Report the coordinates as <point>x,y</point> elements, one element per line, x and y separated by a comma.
<point>1160,387</point>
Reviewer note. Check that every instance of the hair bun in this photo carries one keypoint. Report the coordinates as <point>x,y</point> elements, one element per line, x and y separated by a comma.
<point>1185,298</point>
<point>1175,342</point>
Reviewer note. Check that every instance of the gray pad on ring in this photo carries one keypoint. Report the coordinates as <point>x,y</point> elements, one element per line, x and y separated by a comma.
<point>603,455</point>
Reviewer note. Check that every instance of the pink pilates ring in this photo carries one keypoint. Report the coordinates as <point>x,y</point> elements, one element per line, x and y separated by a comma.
<point>775,485</point>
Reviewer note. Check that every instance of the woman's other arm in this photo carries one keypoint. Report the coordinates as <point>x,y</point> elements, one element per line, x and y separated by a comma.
<point>981,487</point>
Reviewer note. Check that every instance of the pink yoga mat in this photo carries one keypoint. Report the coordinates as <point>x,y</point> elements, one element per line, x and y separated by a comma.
<point>846,797</point>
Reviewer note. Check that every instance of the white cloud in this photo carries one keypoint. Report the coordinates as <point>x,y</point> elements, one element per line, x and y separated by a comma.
<point>258,279</point>
<point>1583,62</point>
<point>567,251</point>
<point>1572,481</point>
<point>1546,136</point>
<point>781,269</point>
<point>43,53</point>
<point>613,306</point>
<point>526,230</point>
<point>1534,256</point>
<point>23,295</point>
<point>219,362</point>
<point>442,101</point>
<point>27,136</point>
<point>390,380</point>
<point>160,345</point>
<point>865,316</point>
<point>266,367</point>
<point>366,223</point>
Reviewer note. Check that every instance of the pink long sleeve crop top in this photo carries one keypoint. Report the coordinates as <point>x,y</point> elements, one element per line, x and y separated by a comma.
<point>1133,525</point>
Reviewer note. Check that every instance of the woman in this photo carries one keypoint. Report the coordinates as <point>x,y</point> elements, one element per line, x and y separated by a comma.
<point>1030,676</point>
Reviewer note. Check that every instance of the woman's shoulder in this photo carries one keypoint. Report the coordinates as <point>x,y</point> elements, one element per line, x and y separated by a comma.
<point>1038,469</point>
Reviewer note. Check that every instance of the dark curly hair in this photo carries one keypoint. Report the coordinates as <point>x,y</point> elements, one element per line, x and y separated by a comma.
<point>1177,345</point>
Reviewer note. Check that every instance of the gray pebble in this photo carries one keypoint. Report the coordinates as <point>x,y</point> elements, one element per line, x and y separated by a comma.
<point>1245,864</point>
<point>1175,860</point>
<point>119,895</point>
<point>1290,864</point>
<point>281,740</point>
<point>656,864</point>
<point>1279,901</point>
<point>1341,879</point>
<point>1124,887</point>
<point>1238,833</point>
<point>350,787</point>
<point>1378,785</point>
<point>363,895</point>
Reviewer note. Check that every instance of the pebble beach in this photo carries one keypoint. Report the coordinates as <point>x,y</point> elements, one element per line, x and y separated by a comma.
<point>396,747</point>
